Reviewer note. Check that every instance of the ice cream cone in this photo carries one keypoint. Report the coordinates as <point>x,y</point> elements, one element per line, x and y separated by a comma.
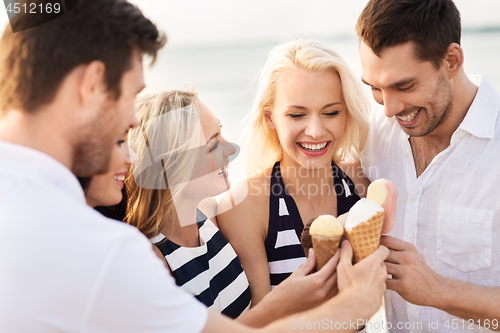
<point>365,237</point>
<point>325,248</point>
<point>326,233</point>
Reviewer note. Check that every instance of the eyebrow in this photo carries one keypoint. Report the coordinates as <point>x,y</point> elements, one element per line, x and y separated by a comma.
<point>363,80</point>
<point>304,108</point>
<point>216,134</point>
<point>399,83</point>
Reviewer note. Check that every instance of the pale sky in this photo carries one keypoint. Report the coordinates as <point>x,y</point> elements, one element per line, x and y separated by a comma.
<point>201,21</point>
<point>190,22</point>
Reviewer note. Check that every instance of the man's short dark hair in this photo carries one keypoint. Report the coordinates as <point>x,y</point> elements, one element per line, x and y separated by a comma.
<point>34,62</point>
<point>431,24</point>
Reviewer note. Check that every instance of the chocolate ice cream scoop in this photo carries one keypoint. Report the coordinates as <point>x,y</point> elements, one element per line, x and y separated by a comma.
<point>305,238</point>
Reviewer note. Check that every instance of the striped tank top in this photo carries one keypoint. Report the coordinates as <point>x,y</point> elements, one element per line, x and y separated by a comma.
<point>211,272</point>
<point>284,252</point>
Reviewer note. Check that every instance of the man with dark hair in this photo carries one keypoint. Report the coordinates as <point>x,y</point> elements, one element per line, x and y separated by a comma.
<point>439,141</point>
<point>67,92</point>
<point>101,40</point>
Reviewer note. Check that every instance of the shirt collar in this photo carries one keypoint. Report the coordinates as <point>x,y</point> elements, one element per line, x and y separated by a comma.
<point>31,163</point>
<point>481,117</point>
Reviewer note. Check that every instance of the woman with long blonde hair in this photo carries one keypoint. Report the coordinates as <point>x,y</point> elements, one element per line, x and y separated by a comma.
<point>183,160</point>
<point>302,138</point>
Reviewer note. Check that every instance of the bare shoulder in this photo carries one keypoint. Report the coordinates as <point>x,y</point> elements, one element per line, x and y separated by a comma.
<point>246,193</point>
<point>246,202</point>
<point>243,216</point>
<point>354,171</point>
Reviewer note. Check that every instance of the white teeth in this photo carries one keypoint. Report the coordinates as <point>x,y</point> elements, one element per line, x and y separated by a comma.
<point>314,147</point>
<point>222,172</point>
<point>120,178</point>
<point>409,117</point>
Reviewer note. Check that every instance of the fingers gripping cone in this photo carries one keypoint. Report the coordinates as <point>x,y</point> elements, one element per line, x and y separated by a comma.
<point>364,228</point>
<point>326,233</point>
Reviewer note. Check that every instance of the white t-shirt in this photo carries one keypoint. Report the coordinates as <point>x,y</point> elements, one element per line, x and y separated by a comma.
<point>66,268</point>
<point>451,212</point>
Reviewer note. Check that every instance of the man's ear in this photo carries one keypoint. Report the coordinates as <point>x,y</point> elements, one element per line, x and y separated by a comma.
<point>269,121</point>
<point>454,60</point>
<point>92,87</point>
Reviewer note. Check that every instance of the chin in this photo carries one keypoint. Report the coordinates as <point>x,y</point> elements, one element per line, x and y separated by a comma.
<point>115,201</point>
<point>414,132</point>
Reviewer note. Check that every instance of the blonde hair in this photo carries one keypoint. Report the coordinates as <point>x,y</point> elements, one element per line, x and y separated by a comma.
<point>261,144</point>
<point>163,140</point>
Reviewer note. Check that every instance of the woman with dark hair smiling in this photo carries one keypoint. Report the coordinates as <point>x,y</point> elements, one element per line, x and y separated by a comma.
<point>106,190</point>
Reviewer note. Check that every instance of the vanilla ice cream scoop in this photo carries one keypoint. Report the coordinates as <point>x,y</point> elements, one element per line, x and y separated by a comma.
<point>360,212</point>
<point>326,233</point>
<point>326,225</point>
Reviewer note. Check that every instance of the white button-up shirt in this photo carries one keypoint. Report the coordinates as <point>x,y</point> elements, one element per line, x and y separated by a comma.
<point>451,213</point>
<point>66,268</point>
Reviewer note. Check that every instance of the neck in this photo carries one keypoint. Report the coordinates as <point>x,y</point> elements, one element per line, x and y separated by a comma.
<point>304,182</point>
<point>186,211</point>
<point>184,231</point>
<point>37,131</point>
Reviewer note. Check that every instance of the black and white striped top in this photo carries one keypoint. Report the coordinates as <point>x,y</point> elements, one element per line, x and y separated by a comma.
<point>284,252</point>
<point>211,272</point>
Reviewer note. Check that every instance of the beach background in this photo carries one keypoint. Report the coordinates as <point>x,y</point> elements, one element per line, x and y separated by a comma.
<point>217,47</point>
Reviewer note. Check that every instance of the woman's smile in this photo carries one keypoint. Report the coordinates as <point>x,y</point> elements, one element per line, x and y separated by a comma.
<point>314,149</point>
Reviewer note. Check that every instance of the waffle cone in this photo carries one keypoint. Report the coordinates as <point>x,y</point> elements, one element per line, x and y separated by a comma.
<point>324,248</point>
<point>365,237</point>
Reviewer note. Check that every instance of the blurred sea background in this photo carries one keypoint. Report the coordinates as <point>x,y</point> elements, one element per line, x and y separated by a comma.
<point>218,47</point>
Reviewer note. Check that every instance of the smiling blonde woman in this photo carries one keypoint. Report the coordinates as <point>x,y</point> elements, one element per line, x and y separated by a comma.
<point>183,160</point>
<point>308,120</point>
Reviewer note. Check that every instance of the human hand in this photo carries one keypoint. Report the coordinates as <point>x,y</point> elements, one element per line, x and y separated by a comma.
<point>302,291</point>
<point>365,281</point>
<point>412,279</point>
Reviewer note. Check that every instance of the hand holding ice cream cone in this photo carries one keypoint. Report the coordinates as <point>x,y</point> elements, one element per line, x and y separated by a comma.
<point>365,280</point>
<point>364,224</point>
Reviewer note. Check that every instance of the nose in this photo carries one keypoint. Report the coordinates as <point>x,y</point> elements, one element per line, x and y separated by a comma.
<point>132,157</point>
<point>228,148</point>
<point>392,104</point>
<point>315,127</point>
